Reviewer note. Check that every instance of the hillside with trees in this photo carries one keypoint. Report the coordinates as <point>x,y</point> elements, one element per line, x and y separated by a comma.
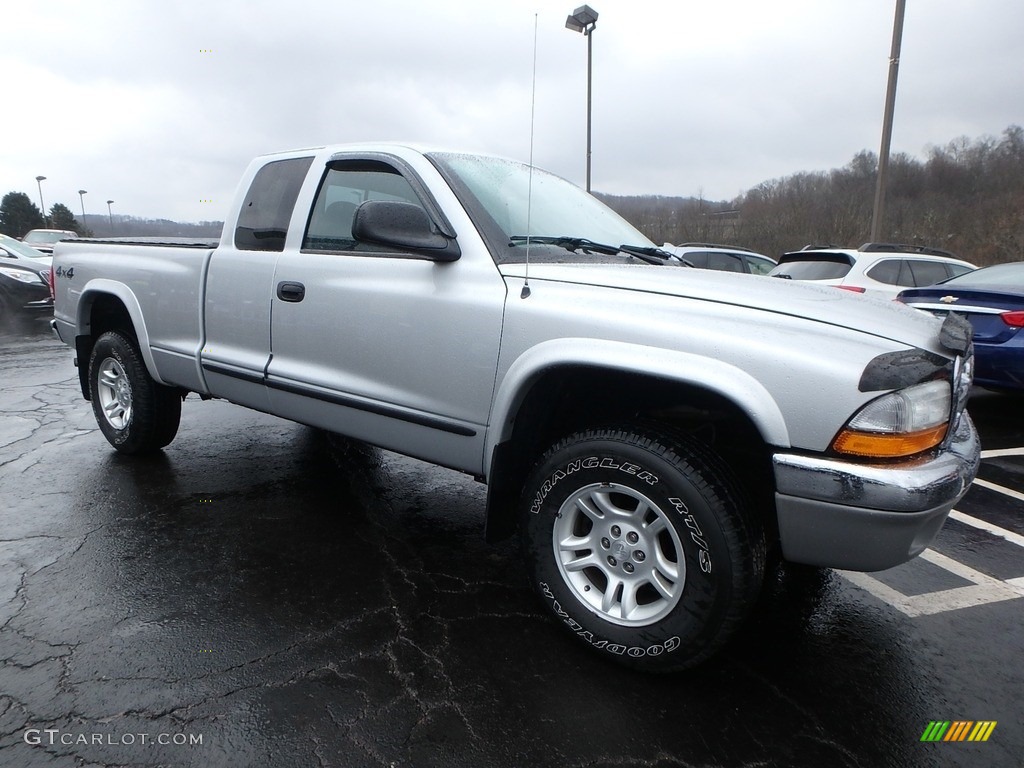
<point>966,197</point>
<point>18,215</point>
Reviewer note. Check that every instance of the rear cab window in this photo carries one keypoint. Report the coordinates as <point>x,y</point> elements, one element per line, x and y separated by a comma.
<point>268,205</point>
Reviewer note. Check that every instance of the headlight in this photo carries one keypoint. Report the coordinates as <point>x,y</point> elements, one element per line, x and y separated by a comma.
<point>22,275</point>
<point>901,423</point>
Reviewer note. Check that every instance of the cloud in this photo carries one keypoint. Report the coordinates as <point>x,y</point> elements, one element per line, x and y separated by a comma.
<point>160,106</point>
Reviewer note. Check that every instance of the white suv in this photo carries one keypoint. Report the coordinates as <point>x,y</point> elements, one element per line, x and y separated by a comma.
<point>725,258</point>
<point>875,269</point>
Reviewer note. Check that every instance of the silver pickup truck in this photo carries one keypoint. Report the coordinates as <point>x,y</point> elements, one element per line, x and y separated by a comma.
<point>654,433</point>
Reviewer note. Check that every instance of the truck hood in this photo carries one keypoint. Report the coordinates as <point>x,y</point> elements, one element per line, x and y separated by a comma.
<point>829,306</point>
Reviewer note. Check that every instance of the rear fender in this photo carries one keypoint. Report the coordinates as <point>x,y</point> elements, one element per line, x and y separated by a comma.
<point>101,287</point>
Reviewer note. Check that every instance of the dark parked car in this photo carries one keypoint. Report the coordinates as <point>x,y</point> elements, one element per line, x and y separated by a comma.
<point>24,291</point>
<point>992,298</point>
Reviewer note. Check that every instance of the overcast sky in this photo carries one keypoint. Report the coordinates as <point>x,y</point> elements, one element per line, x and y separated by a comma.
<point>160,105</point>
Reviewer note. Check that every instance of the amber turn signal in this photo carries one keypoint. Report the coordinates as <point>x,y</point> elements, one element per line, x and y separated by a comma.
<point>888,446</point>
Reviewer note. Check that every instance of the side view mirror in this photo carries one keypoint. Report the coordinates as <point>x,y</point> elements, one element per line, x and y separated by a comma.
<point>405,226</point>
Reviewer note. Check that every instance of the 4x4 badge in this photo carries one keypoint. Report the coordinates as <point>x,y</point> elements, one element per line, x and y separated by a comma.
<point>948,299</point>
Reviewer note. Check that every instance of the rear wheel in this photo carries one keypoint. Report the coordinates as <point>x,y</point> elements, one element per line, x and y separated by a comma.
<point>134,412</point>
<point>641,545</point>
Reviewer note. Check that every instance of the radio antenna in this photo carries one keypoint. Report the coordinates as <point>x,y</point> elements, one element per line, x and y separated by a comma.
<point>529,191</point>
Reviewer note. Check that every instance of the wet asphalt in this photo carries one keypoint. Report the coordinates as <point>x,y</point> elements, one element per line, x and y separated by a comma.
<point>263,594</point>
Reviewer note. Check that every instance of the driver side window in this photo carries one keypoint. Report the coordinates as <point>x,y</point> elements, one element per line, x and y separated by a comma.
<point>347,185</point>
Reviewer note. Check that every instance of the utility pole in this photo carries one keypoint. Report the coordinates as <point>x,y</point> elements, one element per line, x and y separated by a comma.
<point>584,20</point>
<point>890,107</point>
<point>39,183</point>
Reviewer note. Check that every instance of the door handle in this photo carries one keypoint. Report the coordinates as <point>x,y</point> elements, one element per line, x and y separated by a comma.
<point>291,291</point>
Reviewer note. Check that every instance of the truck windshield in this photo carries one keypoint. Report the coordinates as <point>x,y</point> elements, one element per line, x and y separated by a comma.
<point>559,212</point>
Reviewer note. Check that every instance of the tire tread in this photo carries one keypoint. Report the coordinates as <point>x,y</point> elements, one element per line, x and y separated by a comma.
<point>711,477</point>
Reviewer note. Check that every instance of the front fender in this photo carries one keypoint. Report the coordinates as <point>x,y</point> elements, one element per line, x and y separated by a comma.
<point>721,378</point>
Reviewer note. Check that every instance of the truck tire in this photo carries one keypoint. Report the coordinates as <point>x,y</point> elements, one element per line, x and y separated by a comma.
<point>134,412</point>
<point>642,546</point>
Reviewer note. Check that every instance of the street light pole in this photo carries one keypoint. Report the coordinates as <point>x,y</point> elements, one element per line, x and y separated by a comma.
<point>584,19</point>
<point>39,183</point>
<point>110,216</point>
<point>890,107</point>
<point>81,198</point>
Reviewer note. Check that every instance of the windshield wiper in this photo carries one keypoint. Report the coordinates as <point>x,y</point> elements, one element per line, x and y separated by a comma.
<point>653,255</point>
<point>569,243</point>
<point>650,255</point>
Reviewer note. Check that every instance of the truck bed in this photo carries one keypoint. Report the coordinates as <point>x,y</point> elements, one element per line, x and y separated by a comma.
<point>187,242</point>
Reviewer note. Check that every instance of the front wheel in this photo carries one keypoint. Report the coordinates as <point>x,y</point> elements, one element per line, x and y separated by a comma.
<point>135,413</point>
<point>642,546</point>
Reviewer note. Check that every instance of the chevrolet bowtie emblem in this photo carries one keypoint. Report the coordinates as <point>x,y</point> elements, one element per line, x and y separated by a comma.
<point>948,299</point>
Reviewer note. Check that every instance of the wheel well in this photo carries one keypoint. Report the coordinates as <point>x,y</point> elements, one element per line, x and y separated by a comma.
<point>108,313</point>
<point>567,400</point>
<point>105,313</point>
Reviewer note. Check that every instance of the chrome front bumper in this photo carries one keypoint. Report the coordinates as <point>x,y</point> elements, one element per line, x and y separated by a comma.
<point>870,517</point>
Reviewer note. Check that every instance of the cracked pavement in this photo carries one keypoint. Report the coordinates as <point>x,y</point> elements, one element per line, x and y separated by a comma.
<point>292,599</point>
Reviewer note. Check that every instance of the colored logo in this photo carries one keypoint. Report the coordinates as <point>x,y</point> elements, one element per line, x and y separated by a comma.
<point>948,299</point>
<point>958,730</point>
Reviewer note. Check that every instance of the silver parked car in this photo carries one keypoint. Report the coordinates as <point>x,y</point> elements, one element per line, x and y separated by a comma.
<point>12,250</point>
<point>43,239</point>
<point>725,258</point>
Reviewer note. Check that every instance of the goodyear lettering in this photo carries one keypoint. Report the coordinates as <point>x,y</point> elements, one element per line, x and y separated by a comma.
<point>558,609</point>
<point>591,462</point>
<point>617,649</point>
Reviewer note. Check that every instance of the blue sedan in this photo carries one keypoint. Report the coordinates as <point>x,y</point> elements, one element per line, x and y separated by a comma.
<point>992,298</point>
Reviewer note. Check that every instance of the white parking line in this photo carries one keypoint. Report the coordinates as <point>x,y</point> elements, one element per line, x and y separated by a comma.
<point>995,454</point>
<point>995,530</point>
<point>982,591</point>
<point>999,489</point>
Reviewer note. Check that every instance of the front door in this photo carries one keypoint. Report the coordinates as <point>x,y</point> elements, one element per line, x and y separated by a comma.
<point>384,346</point>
